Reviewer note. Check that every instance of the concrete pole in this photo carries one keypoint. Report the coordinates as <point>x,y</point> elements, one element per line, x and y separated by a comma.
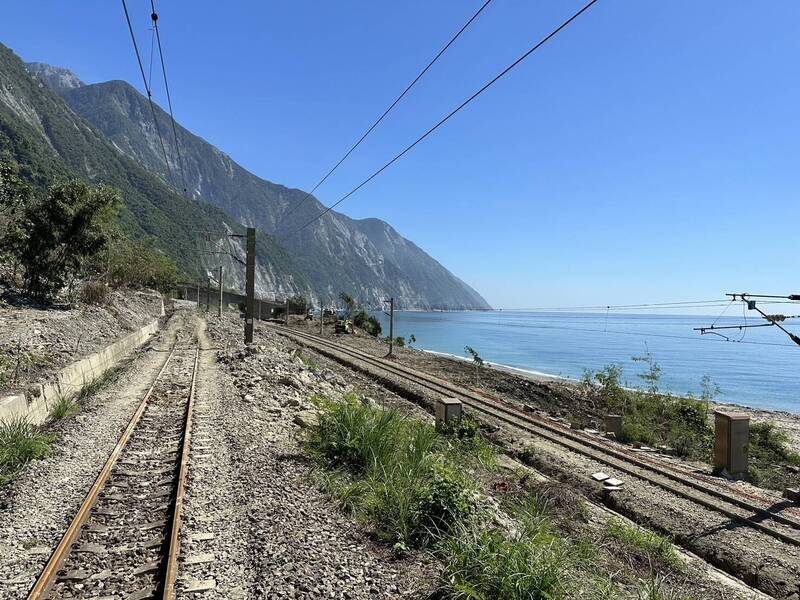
<point>286,315</point>
<point>208,293</point>
<point>391,325</point>
<point>250,285</point>
<point>219,308</point>
<point>321,319</point>
<point>198,294</point>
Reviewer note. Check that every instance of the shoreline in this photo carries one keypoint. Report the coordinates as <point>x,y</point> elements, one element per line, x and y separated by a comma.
<point>786,420</point>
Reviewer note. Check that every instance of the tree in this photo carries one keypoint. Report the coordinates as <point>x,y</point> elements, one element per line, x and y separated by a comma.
<point>298,305</point>
<point>125,262</point>
<point>14,196</point>
<point>476,359</point>
<point>349,304</point>
<point>56,234</point>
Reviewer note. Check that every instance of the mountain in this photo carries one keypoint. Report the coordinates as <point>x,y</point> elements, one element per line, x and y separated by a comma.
<point>50,141</point>
<point>366,258</point>
<point>57,78</point>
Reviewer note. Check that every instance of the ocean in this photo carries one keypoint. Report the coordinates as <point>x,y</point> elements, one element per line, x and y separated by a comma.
<point>762,370</point>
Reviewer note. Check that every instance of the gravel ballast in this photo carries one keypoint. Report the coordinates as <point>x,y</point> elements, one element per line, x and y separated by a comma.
<point>250,503</point>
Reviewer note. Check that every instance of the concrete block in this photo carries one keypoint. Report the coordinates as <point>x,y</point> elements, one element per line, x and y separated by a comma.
<point>36,404</point>
<point>613,424</point>
<point>447,410</point>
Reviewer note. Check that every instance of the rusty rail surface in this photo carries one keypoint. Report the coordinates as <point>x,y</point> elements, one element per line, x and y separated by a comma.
<point>690,486</point>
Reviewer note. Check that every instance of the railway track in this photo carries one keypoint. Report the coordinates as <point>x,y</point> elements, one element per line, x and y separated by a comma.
<point>123,540</point>
<point>780,520</point>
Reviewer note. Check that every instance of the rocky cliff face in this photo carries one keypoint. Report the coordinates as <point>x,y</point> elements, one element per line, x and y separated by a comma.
<point>367,258</point>
<point>50,141</point>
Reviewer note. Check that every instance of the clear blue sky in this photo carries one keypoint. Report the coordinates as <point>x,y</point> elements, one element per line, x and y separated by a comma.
<point>650,152</point>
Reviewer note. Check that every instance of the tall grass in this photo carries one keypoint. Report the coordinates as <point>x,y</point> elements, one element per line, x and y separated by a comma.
<point>396,470</point>
<point>20,443</point>
<point>482,564</point>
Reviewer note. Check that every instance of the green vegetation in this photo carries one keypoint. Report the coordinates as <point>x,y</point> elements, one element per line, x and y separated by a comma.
<point>367,322</point>
<point>64,408</point>
<point>482,564</point>
<point>652,418</point>
<point>136,264</point>
<point>470,351</point>
<point>299,305</point>
<point>418,488</point>
<point>396,472</point>
<point>649,547</point>
<point>56,233</point>
<point>72,232</point>
<point>683,422</point>
<point>20,443</point>
<point>773,464</point>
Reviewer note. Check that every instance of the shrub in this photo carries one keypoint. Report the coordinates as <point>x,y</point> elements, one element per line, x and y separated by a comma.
<point>93,292</point>
<point>367,322</point>
<point>772,459</point>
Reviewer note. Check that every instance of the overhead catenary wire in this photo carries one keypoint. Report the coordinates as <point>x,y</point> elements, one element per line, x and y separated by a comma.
<point>391,106</point>
<point>447,117</point>
<point>154,18</point>
<point>148,90</point>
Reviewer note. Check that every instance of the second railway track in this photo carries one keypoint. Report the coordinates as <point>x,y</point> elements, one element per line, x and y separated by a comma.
<point>778,520</point>
<point>123,540</point>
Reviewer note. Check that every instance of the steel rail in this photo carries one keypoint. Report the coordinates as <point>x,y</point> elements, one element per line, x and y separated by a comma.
<point>56,560</point>
<point>514,416</point>
<point>171,573</point>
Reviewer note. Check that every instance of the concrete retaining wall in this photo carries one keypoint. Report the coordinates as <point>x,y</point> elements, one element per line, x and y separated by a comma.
<point>37,402</point>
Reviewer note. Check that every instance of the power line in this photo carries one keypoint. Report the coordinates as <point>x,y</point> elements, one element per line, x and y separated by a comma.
<point>154,17</point>
<point>391,106</point>
<point>449,115</point>
<point>147,89</point>
<point>646,334</point>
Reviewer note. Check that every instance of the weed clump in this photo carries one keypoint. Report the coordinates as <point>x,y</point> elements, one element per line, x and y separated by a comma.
<point>645,546</point>
<point>394,469</point>
<point>64,408</point>
<point>20,442</point>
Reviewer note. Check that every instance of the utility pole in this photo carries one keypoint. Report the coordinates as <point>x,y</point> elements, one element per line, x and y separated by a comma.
<point>208,293</point>
<point>198,293</point>
<point>391,325</point>
<point>250,285</point>
<point>219,308</point>
<point>286,312</point>
<point>321,318</point>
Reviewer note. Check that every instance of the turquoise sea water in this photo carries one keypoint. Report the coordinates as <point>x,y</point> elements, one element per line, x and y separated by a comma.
<point>752,372</point>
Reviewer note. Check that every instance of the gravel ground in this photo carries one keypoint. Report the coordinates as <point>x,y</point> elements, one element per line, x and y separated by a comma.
<point>36,508</point>
<point>250,503</point>
<point>46,340</point>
